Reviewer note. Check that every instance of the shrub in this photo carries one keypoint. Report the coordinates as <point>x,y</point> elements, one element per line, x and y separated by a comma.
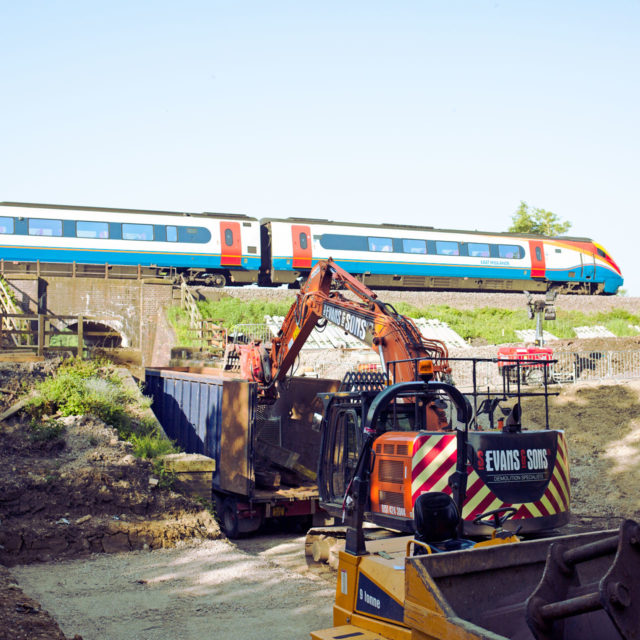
<point>82,387</point>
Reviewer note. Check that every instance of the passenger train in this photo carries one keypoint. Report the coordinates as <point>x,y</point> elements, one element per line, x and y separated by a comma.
<point>219,249</point>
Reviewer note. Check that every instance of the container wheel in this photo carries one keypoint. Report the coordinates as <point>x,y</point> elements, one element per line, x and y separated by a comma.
<point>229,518</point>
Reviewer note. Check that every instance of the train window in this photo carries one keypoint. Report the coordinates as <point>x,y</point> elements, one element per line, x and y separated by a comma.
<point>601,253</point>
<point>45,227</point>
<point>228,237</point>
<point>347,243</point>
<point>414,246</point>
<point>303,240</point>
<point>509,251</point>
<point>380,244</point>
<point>538,253</point>
<point>446,248</point>
<point>6,225</point>
<point>194,234</point>
<point>172,234</point>
<point>478,250</point>
<point>137,232</point>
<point>92,229</point>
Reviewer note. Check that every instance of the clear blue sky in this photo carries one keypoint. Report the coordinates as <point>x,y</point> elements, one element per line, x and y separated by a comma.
<point>442,113</point>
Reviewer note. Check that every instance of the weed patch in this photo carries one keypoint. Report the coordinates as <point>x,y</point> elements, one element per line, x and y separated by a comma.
<point>82,387</point>
<point>166,477</point>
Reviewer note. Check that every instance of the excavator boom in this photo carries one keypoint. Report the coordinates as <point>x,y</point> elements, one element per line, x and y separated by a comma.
<point>379,326</point>
<point>391,335</point>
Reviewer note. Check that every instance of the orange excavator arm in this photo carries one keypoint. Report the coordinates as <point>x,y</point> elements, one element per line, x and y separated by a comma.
<point>393,336</point>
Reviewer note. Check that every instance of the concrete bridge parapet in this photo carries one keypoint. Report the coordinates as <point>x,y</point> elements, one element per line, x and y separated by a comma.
<point>130,307</point>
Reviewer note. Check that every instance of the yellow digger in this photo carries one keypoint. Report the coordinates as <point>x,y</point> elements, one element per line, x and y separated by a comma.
<point>437,585</point>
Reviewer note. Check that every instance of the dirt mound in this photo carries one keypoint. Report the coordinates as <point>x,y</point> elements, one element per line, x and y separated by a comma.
<point>85,492</point>
<point>602,424</point>
<point>77,490</point>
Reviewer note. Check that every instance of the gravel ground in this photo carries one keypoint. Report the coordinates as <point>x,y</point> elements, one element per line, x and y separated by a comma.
<point>207,590</point>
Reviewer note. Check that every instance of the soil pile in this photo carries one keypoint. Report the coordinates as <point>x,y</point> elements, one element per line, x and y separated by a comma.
<point>75,491</point>
<point>602,425</point>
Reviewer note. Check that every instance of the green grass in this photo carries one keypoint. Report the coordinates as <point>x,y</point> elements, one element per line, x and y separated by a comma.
<point>81,387</point>
<point>179,320</point>
<point>495,326</point>
<point>233,311</point>
<point>150,445</point>
<point>228,312</point>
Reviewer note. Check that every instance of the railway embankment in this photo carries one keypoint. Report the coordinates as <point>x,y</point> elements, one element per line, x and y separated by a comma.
<point>459,299</point>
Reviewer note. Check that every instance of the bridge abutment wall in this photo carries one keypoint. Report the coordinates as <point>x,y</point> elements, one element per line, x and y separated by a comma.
<point>130,307</point>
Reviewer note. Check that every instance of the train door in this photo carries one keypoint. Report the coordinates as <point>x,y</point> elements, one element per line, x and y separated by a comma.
<point>536,248</point>
<point>301,240</point>
<point>230,245</point>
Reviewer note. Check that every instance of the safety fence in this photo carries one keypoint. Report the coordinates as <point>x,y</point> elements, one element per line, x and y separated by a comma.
<point>245,333</point>
<point>596,365</point>
<point>567,368</point>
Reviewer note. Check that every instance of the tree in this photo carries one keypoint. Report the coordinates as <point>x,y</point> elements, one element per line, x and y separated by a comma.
<point>540,221</point>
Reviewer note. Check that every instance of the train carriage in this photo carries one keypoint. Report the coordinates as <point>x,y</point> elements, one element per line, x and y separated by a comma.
<point>398,256</point>
<point>219,249</point>
<point>213,248</point>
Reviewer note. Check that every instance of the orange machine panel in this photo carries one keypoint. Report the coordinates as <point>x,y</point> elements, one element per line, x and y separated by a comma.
<point>391,477</point>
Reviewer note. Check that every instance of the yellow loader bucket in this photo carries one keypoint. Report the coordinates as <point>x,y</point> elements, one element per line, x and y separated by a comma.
<point>576,587</point>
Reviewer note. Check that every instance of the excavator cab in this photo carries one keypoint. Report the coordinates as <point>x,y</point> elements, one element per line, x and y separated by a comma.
<point>386,420</point>
<point>421,437</point>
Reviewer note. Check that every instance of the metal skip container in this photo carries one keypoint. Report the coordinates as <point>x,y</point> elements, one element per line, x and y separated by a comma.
<point>265,455</point>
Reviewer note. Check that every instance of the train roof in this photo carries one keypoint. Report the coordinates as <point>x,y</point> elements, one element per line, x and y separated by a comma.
<point>65,207</point>
<point>291,220</point>
<point>411,227</point>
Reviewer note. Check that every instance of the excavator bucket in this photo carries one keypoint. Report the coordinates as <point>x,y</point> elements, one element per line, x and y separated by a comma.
<point>564,588</point>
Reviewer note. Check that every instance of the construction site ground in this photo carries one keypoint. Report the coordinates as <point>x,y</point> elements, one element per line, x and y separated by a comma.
<point>89,536</point>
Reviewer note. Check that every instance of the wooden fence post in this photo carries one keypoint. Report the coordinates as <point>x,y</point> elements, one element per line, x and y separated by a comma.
<point>41,323</point>
<point>80,336</point>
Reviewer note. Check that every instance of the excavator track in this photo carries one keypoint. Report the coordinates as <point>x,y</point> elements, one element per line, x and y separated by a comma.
<point>323,544</point>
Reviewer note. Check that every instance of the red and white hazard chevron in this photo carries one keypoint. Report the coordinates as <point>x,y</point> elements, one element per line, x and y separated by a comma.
<point>434,460</point>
